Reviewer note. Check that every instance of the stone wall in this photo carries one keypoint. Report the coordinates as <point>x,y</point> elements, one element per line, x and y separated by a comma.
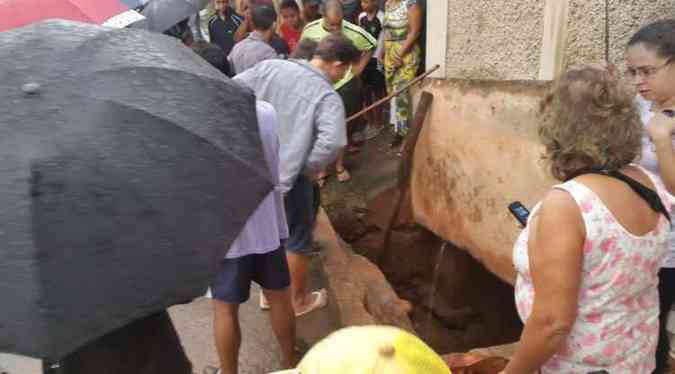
<point>502,39</point>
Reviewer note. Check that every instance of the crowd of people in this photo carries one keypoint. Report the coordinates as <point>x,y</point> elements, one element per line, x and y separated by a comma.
<point>596,261</point>
<point>387,33</point>
<point>595,298</point>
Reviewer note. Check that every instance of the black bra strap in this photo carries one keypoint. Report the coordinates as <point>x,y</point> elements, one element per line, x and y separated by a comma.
<point>646,193</point>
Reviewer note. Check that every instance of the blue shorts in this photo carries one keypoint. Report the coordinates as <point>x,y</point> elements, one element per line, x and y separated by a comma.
<point>301,204</point>
<point>232,283</point>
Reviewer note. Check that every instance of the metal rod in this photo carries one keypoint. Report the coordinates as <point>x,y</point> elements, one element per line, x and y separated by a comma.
<point>393,95</point>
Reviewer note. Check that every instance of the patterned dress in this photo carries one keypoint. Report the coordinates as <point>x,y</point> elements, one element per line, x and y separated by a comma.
<point>617,318</point>
<point>396,28</point>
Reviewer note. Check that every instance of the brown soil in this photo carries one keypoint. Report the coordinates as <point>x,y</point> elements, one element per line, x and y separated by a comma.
<point>472,308</point>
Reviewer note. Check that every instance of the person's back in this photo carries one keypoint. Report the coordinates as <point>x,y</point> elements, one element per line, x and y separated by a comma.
<point>299,93</point>
<point>255,47</point>
<point>617,316</point>
<point>267,226</point>
<point>312,131</point>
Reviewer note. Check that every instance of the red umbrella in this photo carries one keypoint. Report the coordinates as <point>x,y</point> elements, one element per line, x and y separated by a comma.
<point>17,13</point>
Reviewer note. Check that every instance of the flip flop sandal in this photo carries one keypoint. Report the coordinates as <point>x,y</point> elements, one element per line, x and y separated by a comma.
<point>264,305</point>
<point>322,181</point>
<point>340,177</point>
<point>320,301</point>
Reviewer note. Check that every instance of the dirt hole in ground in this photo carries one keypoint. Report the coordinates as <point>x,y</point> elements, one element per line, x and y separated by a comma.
<point>472,308</point>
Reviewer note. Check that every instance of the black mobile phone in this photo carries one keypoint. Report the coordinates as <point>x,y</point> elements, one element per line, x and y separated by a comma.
<point>520,212</point>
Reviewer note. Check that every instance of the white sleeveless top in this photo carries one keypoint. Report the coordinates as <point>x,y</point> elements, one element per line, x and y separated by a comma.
<point>649,161</point>
<point>617,318</point>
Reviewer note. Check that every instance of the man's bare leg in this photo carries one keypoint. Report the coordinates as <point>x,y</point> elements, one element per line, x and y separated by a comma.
<point>282,317</point>
<point>298,265</point>
<point>227,334</point>
<point>341,173</point>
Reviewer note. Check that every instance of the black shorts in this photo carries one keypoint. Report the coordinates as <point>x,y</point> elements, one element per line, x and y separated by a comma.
<point>301,204</point>
<point>232,283</point>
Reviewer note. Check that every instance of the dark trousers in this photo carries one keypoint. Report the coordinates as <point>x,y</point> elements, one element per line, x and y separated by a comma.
<point>149,345</point>
<point>351,94</point>
<point>666,299</point>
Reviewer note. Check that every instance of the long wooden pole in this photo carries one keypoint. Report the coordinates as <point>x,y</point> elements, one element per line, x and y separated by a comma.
<point>405,169</point>
<point>394,94</point>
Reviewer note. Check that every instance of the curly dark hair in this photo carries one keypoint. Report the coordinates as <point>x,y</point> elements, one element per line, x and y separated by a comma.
<point>589,122</point>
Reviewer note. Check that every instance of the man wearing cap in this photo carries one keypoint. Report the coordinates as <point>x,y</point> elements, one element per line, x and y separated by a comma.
<point>349,88</point>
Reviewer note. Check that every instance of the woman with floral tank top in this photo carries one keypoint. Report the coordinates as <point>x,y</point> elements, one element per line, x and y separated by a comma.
<point>589,258</point>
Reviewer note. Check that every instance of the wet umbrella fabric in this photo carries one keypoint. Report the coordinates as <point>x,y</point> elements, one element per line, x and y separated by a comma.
<point>17,13</point>
<point>127,168</point>
<point>161,15</point>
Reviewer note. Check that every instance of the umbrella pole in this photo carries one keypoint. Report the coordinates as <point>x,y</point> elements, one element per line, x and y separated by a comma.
<point>388,98</point>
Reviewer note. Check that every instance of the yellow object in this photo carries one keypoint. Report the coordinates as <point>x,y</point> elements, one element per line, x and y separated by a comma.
<point>371,350</point>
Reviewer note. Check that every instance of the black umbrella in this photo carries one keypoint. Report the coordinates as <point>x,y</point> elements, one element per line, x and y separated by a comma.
<point>127,168</point>
<point>161,15</point>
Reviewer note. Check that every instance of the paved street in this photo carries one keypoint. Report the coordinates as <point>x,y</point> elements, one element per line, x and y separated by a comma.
<point>259,353</point>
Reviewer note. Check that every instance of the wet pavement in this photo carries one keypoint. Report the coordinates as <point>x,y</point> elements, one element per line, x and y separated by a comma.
<point>259,351</point>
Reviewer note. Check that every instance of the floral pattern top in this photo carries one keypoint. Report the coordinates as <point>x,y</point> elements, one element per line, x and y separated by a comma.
<point>617,318</point>
<point>396,20</point>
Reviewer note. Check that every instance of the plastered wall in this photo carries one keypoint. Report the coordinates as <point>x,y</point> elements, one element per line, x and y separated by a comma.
<point>502,39</point>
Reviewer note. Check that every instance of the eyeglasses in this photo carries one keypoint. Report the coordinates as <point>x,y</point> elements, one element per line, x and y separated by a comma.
<point>646,72</point>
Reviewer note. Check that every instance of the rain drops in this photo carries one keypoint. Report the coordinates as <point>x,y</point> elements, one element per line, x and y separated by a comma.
<point>31,88</point>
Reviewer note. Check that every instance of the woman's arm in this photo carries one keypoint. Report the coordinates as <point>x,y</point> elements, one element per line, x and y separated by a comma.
<point>557,237</point>
<point>661,129</point>
<point>415,21</point>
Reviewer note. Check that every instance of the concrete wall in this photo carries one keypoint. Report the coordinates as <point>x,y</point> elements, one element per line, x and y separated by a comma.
<point>502,39</point>
<point>477,153</point>
<point>494,39</point>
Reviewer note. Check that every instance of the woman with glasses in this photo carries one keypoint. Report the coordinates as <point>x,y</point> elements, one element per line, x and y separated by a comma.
<point>649,58</point>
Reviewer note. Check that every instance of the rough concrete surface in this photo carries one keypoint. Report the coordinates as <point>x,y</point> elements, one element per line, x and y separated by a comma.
<point>494,39</point>
<point>502,39</point>
<point>586,38</point>
<point>477,153</point>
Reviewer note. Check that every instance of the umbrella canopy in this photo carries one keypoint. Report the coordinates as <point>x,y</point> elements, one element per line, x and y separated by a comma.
<point>161,15</point>
<point>16,13</point>
<point>127,168</point>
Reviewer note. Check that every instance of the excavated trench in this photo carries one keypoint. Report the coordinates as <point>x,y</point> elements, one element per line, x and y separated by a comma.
<point>457,305</point>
